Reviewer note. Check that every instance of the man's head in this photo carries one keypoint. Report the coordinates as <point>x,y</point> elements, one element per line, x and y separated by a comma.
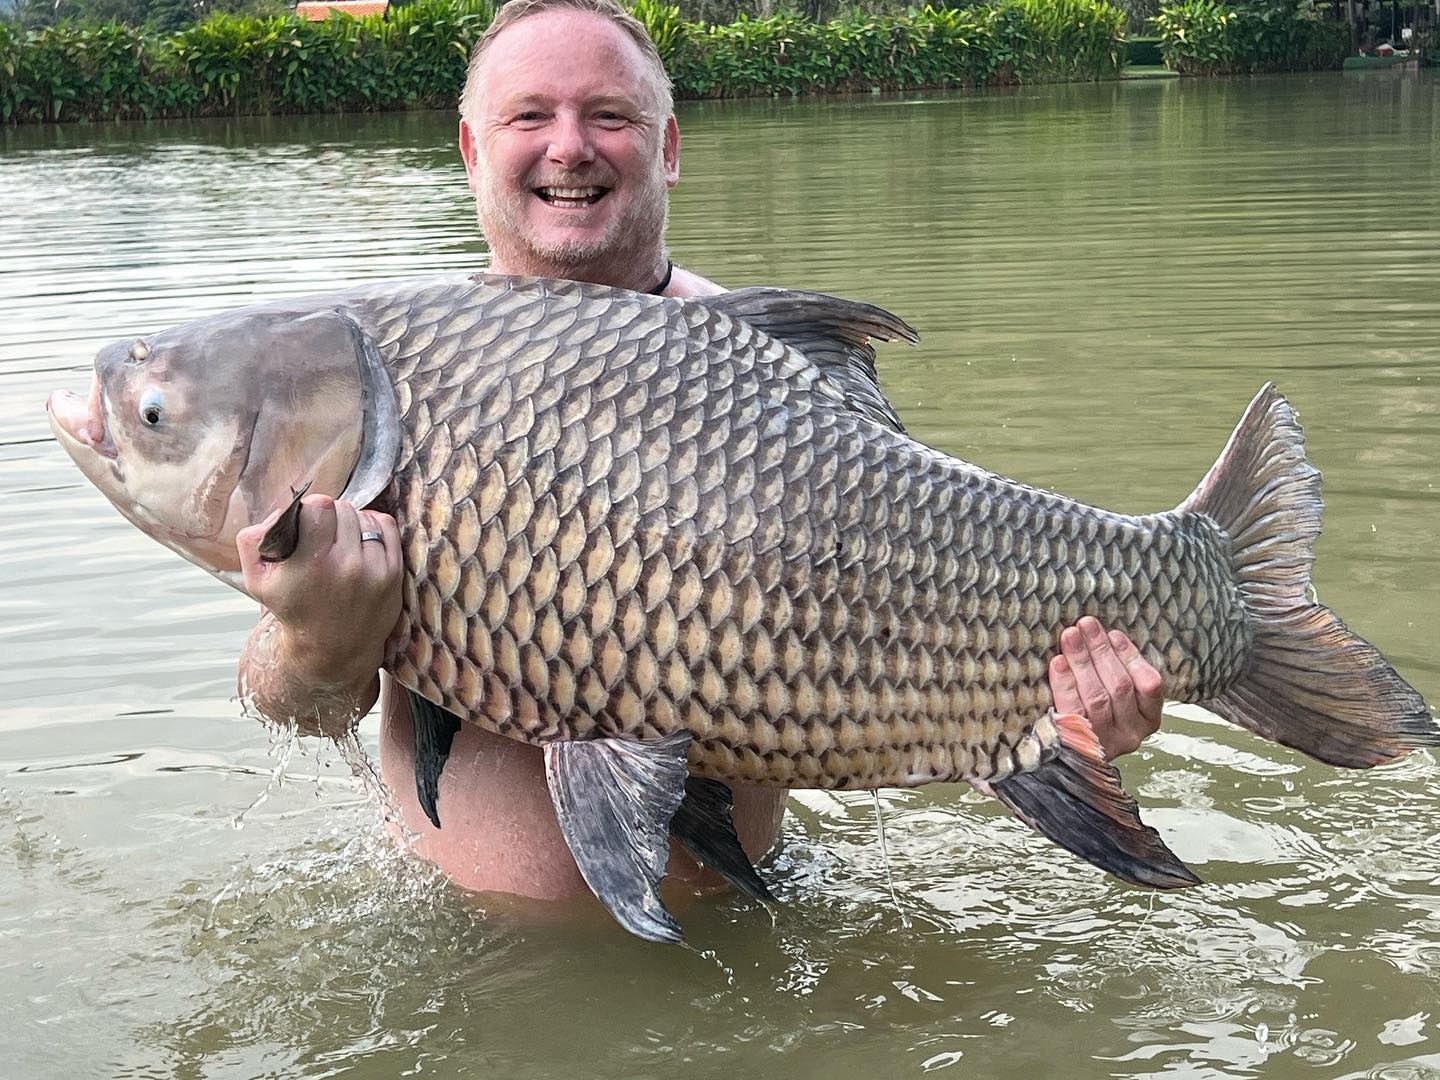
<point>569,142</point>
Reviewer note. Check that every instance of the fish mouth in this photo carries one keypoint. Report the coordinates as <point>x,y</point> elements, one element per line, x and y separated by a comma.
<point>80,422</point>
<point>570,198</point>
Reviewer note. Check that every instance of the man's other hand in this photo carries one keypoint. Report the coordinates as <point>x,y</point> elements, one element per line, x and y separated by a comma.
<point>1104,678</point>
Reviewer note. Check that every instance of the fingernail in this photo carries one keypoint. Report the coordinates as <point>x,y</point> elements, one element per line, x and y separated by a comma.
<point>1060,665</point>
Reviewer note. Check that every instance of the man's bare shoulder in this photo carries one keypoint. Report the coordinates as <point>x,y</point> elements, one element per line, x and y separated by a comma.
<point>687,283</point>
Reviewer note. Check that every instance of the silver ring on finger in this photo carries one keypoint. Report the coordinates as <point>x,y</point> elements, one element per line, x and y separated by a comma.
<point>377,537</point>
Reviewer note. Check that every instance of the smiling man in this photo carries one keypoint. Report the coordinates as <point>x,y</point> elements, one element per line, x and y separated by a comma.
<point>571,147</point>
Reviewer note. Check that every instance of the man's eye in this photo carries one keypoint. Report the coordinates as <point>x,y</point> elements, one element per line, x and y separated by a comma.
<point>529,117</point>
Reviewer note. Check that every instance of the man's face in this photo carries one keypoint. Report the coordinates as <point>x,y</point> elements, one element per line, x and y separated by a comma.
<point>569,158</point>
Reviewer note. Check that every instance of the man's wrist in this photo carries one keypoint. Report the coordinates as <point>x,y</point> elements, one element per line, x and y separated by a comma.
<point>285,680</point>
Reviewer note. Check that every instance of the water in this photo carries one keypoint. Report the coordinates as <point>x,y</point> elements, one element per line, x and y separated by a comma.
<point>1103,276</point>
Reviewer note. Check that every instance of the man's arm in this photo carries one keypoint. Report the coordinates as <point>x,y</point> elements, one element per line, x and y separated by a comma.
<point>315,655</point>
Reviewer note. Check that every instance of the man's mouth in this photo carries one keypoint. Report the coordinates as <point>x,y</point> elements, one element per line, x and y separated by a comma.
<point>571,198</point>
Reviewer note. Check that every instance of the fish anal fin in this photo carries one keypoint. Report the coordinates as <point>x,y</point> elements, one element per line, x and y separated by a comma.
<point>704,827</point>
<point>435,730</point>
<point>1074,797</point>
<point>615,799</point>
<point>283,536</point>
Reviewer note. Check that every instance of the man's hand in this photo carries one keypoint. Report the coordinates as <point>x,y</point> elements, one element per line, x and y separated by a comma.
<point>1104,678</point>
<point>333,604</point>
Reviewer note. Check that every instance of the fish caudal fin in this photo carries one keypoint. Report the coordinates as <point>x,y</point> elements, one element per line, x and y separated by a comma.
<point>1075,799</point>
<point>1310,684</point>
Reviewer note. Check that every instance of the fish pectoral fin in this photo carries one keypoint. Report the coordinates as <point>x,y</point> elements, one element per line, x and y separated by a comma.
<point>615,799</point>
<point>435,730</point>
<point>1075,799</point>
<point>704,827</point>
<point>283,537</point>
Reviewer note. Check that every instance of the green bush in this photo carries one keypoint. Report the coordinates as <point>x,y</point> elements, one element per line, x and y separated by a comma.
<point>235,64</point>
<point>1203,37</point>
<point>242,64</point>
<point>1004,41</point>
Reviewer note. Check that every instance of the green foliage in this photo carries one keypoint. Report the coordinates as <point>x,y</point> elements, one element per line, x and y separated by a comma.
<point>1000,42</point>
<point>238,63</point>
<point>664,24</point>
<point>99,71</point>
<point>1203,37</point>
<point>242,64</point>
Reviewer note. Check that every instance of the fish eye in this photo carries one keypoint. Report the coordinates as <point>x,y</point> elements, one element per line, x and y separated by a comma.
<point>152,410</point>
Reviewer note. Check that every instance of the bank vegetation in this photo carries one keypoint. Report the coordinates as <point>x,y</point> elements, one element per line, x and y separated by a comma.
<point>233,63</point>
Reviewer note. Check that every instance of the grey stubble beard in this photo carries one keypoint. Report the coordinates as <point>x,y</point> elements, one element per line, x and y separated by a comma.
<point>631,246</point>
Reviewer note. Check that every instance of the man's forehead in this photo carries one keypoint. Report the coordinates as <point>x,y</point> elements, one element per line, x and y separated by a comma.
<point>565,53</point>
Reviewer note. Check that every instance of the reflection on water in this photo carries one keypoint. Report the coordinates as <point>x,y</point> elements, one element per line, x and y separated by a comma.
<point>1103,275</point>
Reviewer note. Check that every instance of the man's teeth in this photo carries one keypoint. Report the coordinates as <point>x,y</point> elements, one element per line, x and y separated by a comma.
<point>571,197</point>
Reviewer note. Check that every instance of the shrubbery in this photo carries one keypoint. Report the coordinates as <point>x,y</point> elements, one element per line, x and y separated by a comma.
<point>416,57</point>
<point>234,64</point>
<point>1005,42</point>
<point>1203,37</point>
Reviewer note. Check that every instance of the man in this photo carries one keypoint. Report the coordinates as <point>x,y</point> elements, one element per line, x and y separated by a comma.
<point>571,147</point>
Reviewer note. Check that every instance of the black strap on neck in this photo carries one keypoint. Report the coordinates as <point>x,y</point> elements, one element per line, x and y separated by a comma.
<point>664,283</point>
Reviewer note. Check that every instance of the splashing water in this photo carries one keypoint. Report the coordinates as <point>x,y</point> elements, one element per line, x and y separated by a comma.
<point>283,740</point>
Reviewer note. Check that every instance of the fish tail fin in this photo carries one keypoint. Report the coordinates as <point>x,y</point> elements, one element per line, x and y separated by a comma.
<point>1075,799</point>
<point>1310,683</point>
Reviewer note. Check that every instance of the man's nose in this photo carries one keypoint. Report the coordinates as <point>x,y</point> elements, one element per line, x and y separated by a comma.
<point>570,142</point>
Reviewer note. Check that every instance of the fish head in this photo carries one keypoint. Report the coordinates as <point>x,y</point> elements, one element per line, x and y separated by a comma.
<point>197,432</point>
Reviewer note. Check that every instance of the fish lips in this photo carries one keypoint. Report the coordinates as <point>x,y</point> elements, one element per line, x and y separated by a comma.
<point>79,423</point>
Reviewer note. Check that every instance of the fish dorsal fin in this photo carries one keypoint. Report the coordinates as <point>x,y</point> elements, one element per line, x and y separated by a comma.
<point>832,333</point>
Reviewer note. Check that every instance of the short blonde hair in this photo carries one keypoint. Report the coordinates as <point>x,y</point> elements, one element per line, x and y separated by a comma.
<point>516,10</point>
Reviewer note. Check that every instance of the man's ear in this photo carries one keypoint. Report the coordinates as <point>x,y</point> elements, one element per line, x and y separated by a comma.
<point>469,151</point>
<point>670,152</point>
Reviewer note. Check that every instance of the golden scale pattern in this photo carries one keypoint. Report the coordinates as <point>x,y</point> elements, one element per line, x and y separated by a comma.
<point>627,517</point>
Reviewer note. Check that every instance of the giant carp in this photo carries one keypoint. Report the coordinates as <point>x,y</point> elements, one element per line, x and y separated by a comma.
<point>686,543</point>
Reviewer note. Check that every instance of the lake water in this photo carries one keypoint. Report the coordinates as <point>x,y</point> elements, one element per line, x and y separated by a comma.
<point>1103,276</point>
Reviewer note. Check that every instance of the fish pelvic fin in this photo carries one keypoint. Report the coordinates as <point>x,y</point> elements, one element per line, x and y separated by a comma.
<point>1311,683</point>
<point>1075,799</point>
<point>615,799</point>
<point>704,827</point>
<point>435,730</point>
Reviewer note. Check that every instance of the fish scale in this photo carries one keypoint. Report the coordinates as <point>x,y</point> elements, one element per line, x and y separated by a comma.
<point>688,530</point>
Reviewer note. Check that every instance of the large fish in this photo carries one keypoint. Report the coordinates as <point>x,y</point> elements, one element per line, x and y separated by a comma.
<point>686,543</point>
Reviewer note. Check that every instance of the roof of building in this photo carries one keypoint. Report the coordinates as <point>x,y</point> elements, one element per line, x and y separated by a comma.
<point>319,10</point>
